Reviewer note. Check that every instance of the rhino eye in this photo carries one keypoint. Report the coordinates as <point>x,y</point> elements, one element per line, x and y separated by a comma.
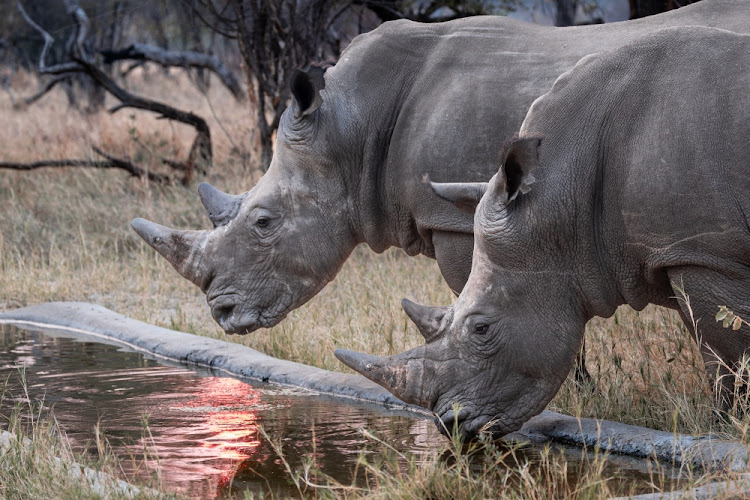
<point>262,222</point>
<point>481,328</point>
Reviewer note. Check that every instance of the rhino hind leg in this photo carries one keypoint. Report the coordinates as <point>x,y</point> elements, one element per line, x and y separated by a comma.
<point>726,352</point>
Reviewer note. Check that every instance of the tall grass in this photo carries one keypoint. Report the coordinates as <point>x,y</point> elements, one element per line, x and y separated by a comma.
<point>37,460</point>
<point>487,468</point>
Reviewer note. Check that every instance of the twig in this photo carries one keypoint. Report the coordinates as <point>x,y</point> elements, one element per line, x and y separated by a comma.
<point>177,165</point>
<point>133,66</point>
<point>44,89</point>
<point>110,162</point>
<point>48,41</point>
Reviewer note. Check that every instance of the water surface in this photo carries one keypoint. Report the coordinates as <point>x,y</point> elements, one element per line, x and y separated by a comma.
<point>203,432</point>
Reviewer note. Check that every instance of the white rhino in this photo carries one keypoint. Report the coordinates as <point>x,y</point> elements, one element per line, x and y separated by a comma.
<point>405,101</point>
<point>642,164</point>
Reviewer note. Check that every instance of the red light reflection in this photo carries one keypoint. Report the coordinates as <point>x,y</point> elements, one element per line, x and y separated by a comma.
<point>219,433</point>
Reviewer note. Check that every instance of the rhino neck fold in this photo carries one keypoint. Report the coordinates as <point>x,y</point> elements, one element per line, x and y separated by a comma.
<point>383,220</point>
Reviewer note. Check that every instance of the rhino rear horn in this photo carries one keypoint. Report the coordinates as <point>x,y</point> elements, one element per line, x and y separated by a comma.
<point>183,249</point>
<point>426,318</point>
<point>221,207</point>
<point>403,375</point>
<point>464,195</point>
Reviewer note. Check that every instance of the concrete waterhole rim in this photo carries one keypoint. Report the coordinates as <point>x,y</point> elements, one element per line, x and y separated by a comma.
<point>97,323</point>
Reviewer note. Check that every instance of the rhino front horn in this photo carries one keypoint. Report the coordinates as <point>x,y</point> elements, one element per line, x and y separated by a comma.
<point>402,375</point>
<point>178,247</point>
<point>221,207</point>
<point>426,318</point>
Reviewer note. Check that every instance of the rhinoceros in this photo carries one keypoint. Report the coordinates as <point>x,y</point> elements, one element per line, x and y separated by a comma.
<point>641,158</point>
<point>404,102</point>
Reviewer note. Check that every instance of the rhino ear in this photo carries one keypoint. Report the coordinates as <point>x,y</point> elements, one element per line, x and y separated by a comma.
<point>519,160</point>
<point>306,86</point>
<point>464,195</point>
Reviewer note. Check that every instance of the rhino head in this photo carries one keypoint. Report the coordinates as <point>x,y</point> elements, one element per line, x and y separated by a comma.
<point>276,246</point>
<point>504,348</point>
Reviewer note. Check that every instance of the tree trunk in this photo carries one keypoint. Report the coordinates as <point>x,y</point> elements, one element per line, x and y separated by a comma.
<point>566,12</point>
<point>108,38</point>
<point>643,8</point>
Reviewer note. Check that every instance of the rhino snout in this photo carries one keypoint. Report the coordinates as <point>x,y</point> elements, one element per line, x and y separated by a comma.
<point>226,311</point>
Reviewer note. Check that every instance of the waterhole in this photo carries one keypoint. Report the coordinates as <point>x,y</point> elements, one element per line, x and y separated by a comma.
<point>202,432</point>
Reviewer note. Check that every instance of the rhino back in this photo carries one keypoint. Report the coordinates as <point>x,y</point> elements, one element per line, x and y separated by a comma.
<point>647,149</point>
<point>448,95</point>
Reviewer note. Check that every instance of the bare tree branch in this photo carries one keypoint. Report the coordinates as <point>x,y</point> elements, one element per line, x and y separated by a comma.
<point>110,162</point>
<point>201,152</point>
<point>181,58</point>
<point>43,90</point>
<point>132,67</point>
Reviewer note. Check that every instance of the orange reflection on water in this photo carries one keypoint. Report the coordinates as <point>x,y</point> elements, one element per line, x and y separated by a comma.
<point>220,432</point>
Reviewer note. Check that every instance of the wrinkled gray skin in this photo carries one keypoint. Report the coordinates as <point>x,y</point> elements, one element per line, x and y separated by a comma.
<point>642,165</point>
<point>404,101</point>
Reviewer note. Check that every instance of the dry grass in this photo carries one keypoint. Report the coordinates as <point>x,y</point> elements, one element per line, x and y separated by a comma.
<point>65,235</point>
<point>38,462</point>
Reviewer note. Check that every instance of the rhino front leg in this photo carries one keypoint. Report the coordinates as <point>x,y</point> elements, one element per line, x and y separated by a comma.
<point>700,292</point>
<point>583,379</point>
<point>453,254</point>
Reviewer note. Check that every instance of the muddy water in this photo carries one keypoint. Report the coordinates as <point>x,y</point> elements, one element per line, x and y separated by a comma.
<point>202,432</point>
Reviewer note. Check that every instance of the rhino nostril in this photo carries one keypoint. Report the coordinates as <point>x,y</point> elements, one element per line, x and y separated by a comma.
<point>222,313</point>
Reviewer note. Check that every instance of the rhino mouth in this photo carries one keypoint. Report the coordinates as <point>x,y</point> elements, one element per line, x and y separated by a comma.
<point>468,426</point>
<point>234,317</point>
<point>448,420</point>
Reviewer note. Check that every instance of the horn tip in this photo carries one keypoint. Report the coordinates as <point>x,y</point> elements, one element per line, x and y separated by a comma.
<point>204,187</point>
<point>411,308</point>
<point>139,226</point>
<point>147,230</point>
<point>344,355</point>
<point>353,359</point>
<point>440,189</point>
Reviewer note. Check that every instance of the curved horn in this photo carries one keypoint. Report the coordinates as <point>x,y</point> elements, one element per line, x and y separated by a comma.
<point>403,375</point>
<point>426,318</point>
<point>181,248</point>
<point>464,195</point>
<point>222,207</point>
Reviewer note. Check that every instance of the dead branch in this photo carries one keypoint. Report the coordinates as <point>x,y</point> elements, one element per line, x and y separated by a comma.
<point>180,58</point>
<point>132,67</point>
<point>109,162</point>
<point>43,90</point>
<point>83,62</point>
